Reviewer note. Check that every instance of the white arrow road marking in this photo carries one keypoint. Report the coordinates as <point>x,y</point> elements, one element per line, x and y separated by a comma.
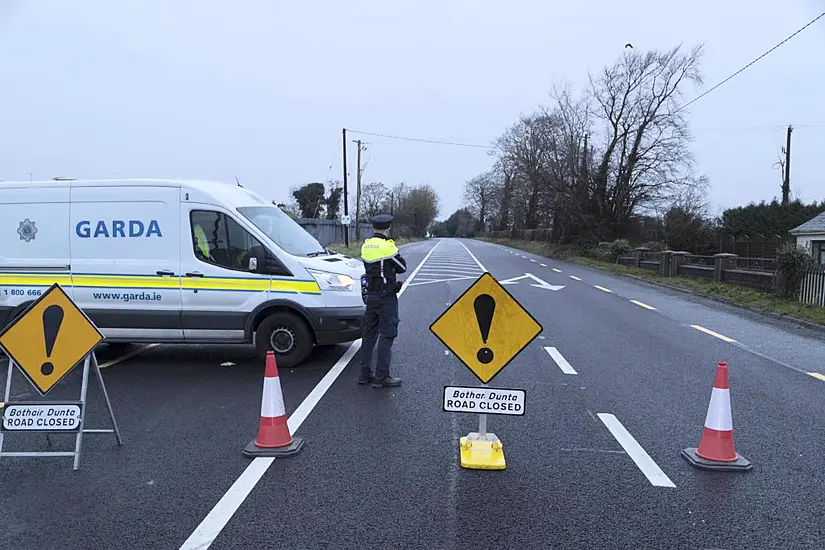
<point>541,284</point>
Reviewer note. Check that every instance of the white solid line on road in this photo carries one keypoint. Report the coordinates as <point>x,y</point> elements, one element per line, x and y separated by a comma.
<point>560,360</point>
<point>646,464</point>
<point>575,278</point>
<point>127,356</point>
<point>818,375</point>
<point>473,257</point>
<point>603,289</point>
<point>212,525</point>
<point>712,333</point>
<point>642,304</point>
<point>557,270</point>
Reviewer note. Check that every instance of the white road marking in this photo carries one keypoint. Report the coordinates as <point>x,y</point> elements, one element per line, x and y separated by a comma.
<point>212,525</point>
<point>560,360</point>
<point>431,281</point>
<point>818,375</point>
<point>127,356</point>
<point>557,270</point>
<point>715,334</point>
<point>532,260</point>
<point>575,278</point>
<point>646,464</point>
<point>603,289</point>
<point>543,265</point>
<point>642,304</point>
<point>473,257</point>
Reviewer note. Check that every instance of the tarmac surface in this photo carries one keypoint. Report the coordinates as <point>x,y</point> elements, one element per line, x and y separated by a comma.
<point>380,467</point>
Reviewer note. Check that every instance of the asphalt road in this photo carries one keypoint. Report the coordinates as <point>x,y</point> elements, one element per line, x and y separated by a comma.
<point>380,469</point>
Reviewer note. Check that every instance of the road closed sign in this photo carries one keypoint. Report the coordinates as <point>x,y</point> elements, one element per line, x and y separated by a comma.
<point>42,417</point>
<point>484,400</point>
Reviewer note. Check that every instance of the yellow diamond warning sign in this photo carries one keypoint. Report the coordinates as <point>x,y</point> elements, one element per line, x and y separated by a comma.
<point>49,339</point>
<point>486,328</point>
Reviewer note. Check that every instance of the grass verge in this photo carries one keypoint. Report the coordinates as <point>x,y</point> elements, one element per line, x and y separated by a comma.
<point>729,293</point>
<point>354,248</point>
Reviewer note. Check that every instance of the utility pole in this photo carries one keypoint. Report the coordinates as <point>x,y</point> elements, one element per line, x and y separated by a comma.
<point>346,210</point>
<point>786,184</point>
<point>358,195</point>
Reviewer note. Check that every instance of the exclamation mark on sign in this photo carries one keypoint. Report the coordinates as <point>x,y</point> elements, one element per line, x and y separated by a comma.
<point>52,319</point>
<point>484,306</point>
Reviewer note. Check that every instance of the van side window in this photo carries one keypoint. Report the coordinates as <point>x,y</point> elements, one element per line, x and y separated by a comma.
<point>220,240</point>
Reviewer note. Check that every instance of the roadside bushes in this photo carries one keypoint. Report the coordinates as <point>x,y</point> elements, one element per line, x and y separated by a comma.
<point>610,251</point>
<point>791,264</point>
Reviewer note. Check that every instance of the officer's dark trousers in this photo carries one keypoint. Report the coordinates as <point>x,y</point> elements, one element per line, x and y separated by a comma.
<point>381,326</point>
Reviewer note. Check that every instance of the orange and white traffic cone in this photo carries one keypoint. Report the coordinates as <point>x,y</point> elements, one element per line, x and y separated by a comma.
<point>716,450</point>
<point>274,439</point>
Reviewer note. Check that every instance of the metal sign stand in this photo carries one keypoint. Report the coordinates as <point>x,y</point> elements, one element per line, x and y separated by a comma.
<point>482,434</point>
<point>90,362</point>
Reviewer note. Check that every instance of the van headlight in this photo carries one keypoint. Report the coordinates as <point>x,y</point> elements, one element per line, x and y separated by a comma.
<point>332,281</point>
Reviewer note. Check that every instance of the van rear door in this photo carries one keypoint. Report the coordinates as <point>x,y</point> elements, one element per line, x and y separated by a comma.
<point>126,260</point>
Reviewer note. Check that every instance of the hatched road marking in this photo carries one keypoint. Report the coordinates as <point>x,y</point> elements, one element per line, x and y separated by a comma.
<point>712,333</point>
<point>448,264</point>
<point>560,360</point>
<point>649,468</point>
<point>642,304</point>
<point>212,525</point>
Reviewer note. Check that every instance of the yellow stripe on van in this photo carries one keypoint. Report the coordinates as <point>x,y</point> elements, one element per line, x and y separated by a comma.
<point>157,283</point>
<point>125,281</point>
<point>34,279</point>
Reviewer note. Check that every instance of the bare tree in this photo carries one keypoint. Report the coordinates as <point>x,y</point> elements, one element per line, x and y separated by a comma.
<point>646,136</point>
<point>373,196</point>
<point>480,194</point>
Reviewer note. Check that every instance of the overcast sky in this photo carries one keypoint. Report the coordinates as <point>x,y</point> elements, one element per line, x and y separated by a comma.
<point>261,90</point>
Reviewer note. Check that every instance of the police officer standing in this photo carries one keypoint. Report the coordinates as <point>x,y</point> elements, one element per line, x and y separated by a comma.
<point>379,289</point>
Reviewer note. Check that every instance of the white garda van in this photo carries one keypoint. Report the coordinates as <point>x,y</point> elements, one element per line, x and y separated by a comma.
<point>172,261</point>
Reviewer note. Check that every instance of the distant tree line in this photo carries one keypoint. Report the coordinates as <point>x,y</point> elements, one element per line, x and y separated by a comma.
<point>612,162</point>
<point>414,207</point>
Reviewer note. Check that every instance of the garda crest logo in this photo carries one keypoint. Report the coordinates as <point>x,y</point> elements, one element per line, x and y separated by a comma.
<point>27,230</point>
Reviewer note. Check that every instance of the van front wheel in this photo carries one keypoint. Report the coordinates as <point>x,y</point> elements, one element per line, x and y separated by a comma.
<point>287,335</point>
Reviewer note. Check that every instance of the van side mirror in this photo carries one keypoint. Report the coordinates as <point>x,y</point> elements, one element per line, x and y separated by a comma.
<point>257,259</point>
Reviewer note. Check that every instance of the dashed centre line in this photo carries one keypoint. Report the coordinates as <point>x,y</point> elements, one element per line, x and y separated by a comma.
<point>649,468</point>
<point>557,270</point>
<point>575,278</point>
<point>542,265</point>
<point>818,375</point>
<point>714,334</point>
<point>603,289</point>
<point>642,304</point>
<point>560,360</point>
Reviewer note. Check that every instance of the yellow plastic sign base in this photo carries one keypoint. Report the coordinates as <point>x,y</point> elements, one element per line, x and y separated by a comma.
<point>481,455</point>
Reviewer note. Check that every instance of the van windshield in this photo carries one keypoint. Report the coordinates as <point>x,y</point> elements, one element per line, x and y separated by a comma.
<point>283,230</point>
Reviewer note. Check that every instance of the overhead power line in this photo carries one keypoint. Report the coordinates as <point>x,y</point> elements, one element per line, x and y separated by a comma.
<point>700,96</point>
<point>437,142</point>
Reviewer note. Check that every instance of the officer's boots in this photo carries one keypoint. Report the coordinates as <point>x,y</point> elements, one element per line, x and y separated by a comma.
<point>365,377</point>
<point>386,382</point>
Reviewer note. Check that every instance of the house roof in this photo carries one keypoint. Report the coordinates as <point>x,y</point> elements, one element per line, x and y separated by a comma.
<point>815,225</point>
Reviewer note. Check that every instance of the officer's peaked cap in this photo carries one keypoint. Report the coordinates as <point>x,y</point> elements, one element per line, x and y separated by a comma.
<point>382,221</point>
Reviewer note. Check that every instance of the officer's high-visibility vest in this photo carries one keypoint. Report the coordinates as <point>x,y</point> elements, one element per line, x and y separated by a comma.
<point>376,250</point>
